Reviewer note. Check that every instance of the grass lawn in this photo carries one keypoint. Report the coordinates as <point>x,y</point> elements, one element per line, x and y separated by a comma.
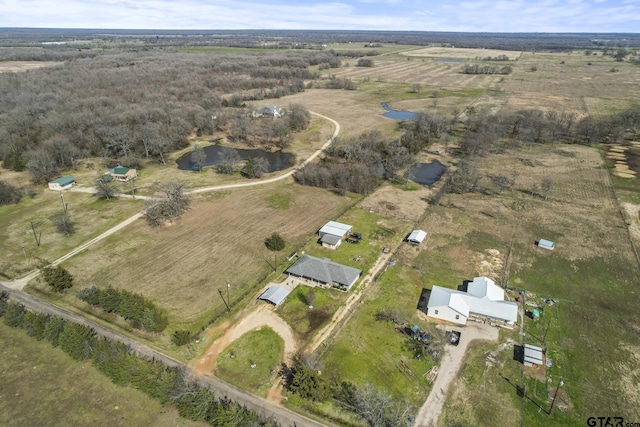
<point>304,321</point>
<point>90,216</point>
<point>252,362</point>
<point>43,386</point>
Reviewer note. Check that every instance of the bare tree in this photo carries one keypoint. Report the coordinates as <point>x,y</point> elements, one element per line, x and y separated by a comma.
<point>105,189</point>
<point>174,203</point>
<point>228,159</point>
<point>199,157</point>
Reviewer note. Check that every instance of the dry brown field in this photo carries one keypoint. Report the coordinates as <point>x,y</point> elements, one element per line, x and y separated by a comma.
<point>221,238</point>
<point>21,66</point>
<point>462,53</point>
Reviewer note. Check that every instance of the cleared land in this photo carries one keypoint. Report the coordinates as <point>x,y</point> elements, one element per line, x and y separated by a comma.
<point>462,53</point>
<point>21,66</point>
<point>43,386</point>
<point>221,238</point>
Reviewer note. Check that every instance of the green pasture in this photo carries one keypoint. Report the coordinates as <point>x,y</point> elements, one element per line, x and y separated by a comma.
<point>252,362</point>
<point>43,386</point>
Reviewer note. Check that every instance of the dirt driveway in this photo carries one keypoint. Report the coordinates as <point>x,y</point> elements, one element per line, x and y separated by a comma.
<point>449,368</point>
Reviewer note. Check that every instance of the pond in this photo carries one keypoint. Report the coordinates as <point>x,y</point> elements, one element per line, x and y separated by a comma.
<point>427,173</point>
<point>277,159</point>
<point>448,60</point>
<point>398,114</point>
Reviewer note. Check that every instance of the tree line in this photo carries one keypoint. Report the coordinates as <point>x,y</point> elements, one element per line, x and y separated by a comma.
<point>486,69</point>
<point>169,385</point>
<point>139,311</point>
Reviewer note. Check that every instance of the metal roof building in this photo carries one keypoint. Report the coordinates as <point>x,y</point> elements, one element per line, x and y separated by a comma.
<point>325,271</point>
<point>335,228</point>
<point>532,355</point>
<point>416,237</point>
<point>274,294</point>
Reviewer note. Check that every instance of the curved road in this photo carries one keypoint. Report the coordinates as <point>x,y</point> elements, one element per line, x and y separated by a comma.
<point>257,404</point>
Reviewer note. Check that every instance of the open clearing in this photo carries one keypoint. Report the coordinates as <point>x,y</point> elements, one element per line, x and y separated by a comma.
<point>43,386</point>
<point>21,66</point>
<point>463,53</point>
<point>221,238</point>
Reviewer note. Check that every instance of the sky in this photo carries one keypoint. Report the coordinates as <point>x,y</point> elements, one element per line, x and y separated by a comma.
<point>381,15</point>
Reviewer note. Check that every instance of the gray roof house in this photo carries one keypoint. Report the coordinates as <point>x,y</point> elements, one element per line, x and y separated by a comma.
<point>325,271</point>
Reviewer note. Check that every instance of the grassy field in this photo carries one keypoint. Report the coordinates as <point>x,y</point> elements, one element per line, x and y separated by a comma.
<point>221,238</point>
<point>43,386</point>
<point>591,274</point>
<point>257,357</point>
<point>90,216</point>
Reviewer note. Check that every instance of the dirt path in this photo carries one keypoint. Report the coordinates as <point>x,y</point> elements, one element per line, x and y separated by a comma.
<point>258,316</point>
<point>348,307</point>
<point>449,368</point>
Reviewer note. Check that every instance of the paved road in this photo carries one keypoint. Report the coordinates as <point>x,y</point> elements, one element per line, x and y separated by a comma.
<point>284,416</point>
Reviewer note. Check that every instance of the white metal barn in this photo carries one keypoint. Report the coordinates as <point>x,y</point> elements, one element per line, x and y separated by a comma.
<point>417,237</point>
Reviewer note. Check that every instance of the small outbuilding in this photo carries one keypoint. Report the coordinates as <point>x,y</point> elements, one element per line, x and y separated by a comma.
<point>122,174</point>
<point>417,237</point>
<point>532,355</point>
<point>62,183</point>
<point>332,233</point>
<point>546,244</point>
<point>274,294</point>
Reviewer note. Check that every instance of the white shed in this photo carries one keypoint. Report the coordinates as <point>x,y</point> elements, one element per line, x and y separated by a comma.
<point>62,183</point>
<point>417,237</point>
<point>546,244</point>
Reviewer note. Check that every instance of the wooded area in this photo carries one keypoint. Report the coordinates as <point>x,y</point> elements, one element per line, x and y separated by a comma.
<point>141,105</point>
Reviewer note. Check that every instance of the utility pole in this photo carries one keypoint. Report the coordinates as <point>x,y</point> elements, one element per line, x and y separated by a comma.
<point>225,303</point>
<point>133,191</point>
<point>35,235</point>
<point>228,287</point>
<point>64,205</point>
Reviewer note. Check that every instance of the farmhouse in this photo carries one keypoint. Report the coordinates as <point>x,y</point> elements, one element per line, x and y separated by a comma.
<point>267,111</point>
<point>122,174</point>
<point>483,301</point>
<point>62,183</point>
<point>416,237</point>
<point>332,233</point>
<point>274,294</point>
<point>323,270</point>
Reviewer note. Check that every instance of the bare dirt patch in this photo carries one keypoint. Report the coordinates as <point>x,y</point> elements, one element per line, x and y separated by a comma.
<point>462,53</point>
<point>398,203</point>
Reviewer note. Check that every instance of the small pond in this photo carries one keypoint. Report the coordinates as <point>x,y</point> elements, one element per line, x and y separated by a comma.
<point>398,114</point>
<point>448,60</point>
<point>427,173</point>
<point>277,159</point>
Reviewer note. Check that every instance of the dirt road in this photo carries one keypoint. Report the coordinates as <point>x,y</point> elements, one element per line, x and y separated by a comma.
<point>449,367</point>
<point>257,317</point>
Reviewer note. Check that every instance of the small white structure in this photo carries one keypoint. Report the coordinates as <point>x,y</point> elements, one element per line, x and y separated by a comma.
<point>546,244</point>
<point>532,355</point>
<point>274,294</point>
<point>267,111</point>
<point>484,300</point>
<point>417,237</point>
<point>332,233</point>
<point>62,183</point>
